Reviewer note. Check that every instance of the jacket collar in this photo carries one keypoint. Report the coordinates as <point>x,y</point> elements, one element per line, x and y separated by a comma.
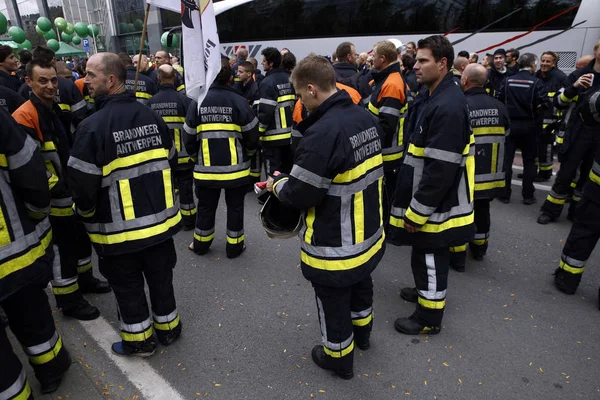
<point>345,65</point>
<point>475,91</point>
<point>125,97</point>
<point>167,86</point>
<point>42,106</point>
<point>220,86</point>
<point>274,71</point>
<point>447,81</point>
<point>340,98</point>
<point>384,73</point>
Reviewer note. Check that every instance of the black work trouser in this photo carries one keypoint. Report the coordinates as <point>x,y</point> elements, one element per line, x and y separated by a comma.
<point>479,243</point>
<point>30,319</point>
<point>279,158</point>
<point>584,235</point>
<point>345,314</point>
<point>430,271</point>
<point>184,180</point>
<point>390,179</point>
<point>545,155</point>
<point>521,137</point>
<point>208,201</point>
<point>126,274</point>
<point>256,166</point>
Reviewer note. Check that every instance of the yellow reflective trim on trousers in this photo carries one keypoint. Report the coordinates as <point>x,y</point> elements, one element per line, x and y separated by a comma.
<point>201,176</point>
<point>568,268</point>
<point>339,354</point>
<point>26,259</point>
<point>416,151</point>
<point>458,249</point>
<point>142,95</point>
<point>359,218</point>
<point>432,305</point>
<point>204,238</point>
<point>177,136</point>
<point>282,136</point>
<point>436,228</point>
<point>283,118</point>
<point>345,264</point>
<point>594,178</point>
<point>489,130</point>
<point>167,182</point>
<point>560,140</point>
<point>360,170</point>
<point>25,393</point>
<point>545,167</point>
<point>188,212</point>
<point>205,152</point>
<point>134,159</point>
<point>3,161</point>
<point>61,212</point>
<point>392,157</point>
<point>173,119</point>
<point>255,174</point>
<point>218,127</point>
<point>380,188</point>
<point>495,157</point>
<point>137,337</point>
<point>554,200</point>
<point>373,109</point>
<point>4,233</point>
<point>418,219</point>
<point>479,242</point>
<point>236,240</point>
<point>233,151</point>
<point>127,200</point>
<point>64,107</point>
<point>65,290</point>
<point>84,268</point>
<point>573,185</point>
<point>310,220</point>
<point>49,356</point>
<point>489,185</point>
<point>138,234</point>
<point>362,321</point>
<point>289,97</point>
<point>167,326</point>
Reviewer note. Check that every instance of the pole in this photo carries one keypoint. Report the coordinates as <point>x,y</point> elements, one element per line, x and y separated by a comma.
<point>137,70</point>
<point>95,46</point>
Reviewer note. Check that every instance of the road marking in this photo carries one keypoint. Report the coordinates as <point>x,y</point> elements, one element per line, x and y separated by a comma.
<point>151,385</point>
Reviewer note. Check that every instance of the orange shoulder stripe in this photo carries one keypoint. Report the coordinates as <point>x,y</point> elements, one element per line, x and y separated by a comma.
<point>27,116</point>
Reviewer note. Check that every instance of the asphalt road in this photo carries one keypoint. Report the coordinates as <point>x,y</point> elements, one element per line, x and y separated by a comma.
<point>249,325</point>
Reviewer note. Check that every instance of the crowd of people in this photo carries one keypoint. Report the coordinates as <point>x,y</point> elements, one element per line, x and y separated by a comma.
<point>404,145</point>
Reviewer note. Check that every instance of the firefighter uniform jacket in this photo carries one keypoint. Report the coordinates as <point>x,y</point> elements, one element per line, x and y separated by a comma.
<point>337,180</point>
<point>554,80</point>
<point>437,178</point>
<point>152,73</point>
<point>42,124</point>
<point>389,103</point>
<point>120,175</point>
<point>523,94</point>
<point>223,135</point>
<point>146,87</point>
<point>277,98</point>
<point>249,91</point>
<point>10,100</point>
<point>494,81</point>
<point>26,235</point>
<point>490,124</point>
<point>591,124</point>
<point>173,108</point>
<point>10,81</point>
<point>349,75</point>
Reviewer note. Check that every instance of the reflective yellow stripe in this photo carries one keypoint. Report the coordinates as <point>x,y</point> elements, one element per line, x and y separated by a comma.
<point>218,127</point>
<point>65,290</point>
<point>84,268</point>
<point>554,200</point>
<point>495,157</point>
<point>489,130</point>
<point>201,176</point>
<point>432,305</point>
<point>188,212</point>
<point>143,95</point>
<point>137,337</point>
<point>573,185</point>
<point>168,188</point>
<point>236,240</point>
<point>167,326</point>
<point>204,238</point>
<point>339,354</point>
<point>380,186</point>
<point>177,135</point>
<point>3,161</point>
<point>436,228</point>
<point>180,88</point>
<point>310,220</point>
<point>568,268</point>
<point>127,200</point>
<point>359,218</point>
<point>233,151</point>
<point>345,264</point>
<point>373,109</point>
<point>26,259</point>
<point>490,185</point>
<point>173,119</point>
<point>545,167</point>
<point>594,178</point>
<point>560,140</point>
<point>48,146</point>
<point>392,157</point>
<point>479,242</point>
<point>282,136</point>
<point>61,212</point>
<point>289,97</point>
<point>416,218</point>
<point>4,234</point>
<point>261,129</point>
<point>564,98</point>
<point>49,356</point>
<point>205,152</point>
<point>64,107</point>
<point>283,119</point>
<point>470,167</point>
<point>137,234</point>
<point>25,393</point>
<point>416,151</point>
<point>134,159</point>
<point>458,249</point>
<point>360,170</point>
<point>362,321</point>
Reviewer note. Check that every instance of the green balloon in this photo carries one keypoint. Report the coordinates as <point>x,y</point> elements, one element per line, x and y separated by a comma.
<point>138,24</point>
<point>26,45</point>
<point>60,23</point>
<point>17,34</point>
<point>53,44</point>
<point>44,24</point>
<point>76,40</point>
<point>70,28</point>
<point>3,24</point>
<point>81,29</point>
<point>123,27</point>
<point>93,30</point>
<point>50,35</point>
<point>130,28</point>
<point>66,37</point>
<point>39,30</point>
<point>174,40</point>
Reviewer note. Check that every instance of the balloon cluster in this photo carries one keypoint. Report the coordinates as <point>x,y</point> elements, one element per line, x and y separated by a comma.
<point>69,33</point>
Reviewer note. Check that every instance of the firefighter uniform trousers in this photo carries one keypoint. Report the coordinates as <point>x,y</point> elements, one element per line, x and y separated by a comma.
<point>430,270</point>
<point>30,319</point>
<point>208,201</point>
<point>345,317</point>
<point>479,243</point>
<point>184,180</point>
<point>545,150</point>
<point>126,274</point>
<point>523,136</point>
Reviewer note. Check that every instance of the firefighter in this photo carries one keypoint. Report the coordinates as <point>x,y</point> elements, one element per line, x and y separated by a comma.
<point>10,100</point>
<point>83,89</point>
<point>146,87</point>
<point>277,98</point>
<point>173,108</point>
<point>26,259</point>
<point>222,134</point>
<point>9,64</point>
<point>162,58</point>
<point>120,175</point>
<point>337,181</point>
<point>39,118</point>
<point>490,124</point>
<point>585,231</point>
<point>433,204</point>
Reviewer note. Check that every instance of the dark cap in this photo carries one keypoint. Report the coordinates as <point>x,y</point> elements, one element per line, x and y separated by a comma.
<point>501,52</point>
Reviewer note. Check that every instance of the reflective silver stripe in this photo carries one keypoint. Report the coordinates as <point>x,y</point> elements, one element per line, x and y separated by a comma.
<point>84,261</point>
<point>66,202</point>
<point>431,293</point>
<point>443,155</point>
<point>310,178</point>
<point>500,157</point>
<point>189,131</point>
<point>16,387</point>
<point>361,314</point>
<point>11,210</point>
<point>251,125</point>
<point>507,132</point>
<point>222,168</point>
<point>573,262</point>
<point>480,236</point>
<point>148,220</point>
<point>84,166</point>
<point>115,202</point>
<point>278,131</point>
<point>498,176</point>
<point>592,104</point>
<point>201,232</point>
<point>34,209</point>
<point>284,104</point>
<point>356,187</point>
<point>596,168</point>
<point>24,155</point>
<point>256,103</point>
<point>175,125</point>
<point>439,217</point>
<point>78,105</point>
<point>279,185</point>
<point>134,172</point>
<point>330,345</point>
<point>221,135</point>
<point>42,347</point>
<point>548,121</point>
<point>392,150</point>
<point>268,101</point>
<point>518,85</point>
<point>56,268</point>
<point>60,282</point>
<point>558,196</point>
<point>346,250</point>
<point>136,328</point>
<point>163,319</point>
<point>415,205</point>
<point>296,133</point>
<point>235,234</point>
<point>489,139</point>
<point>172,152</point>
<point>339,346</point>
<point>390,111</point>
<point>143,101</point>
<point>346,223</point>
<point>189,206</point>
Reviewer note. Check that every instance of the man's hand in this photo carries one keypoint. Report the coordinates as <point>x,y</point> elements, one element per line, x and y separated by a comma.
<point>410,228</point>
<point>584,81</point>
<point>270,182</point>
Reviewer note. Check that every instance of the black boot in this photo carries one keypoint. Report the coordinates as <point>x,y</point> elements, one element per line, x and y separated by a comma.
<point>565,281</point>
<point>82,310</point>
<point>52,386</point>
<point>412,326</point>
<point>94,285</point>
<point>326,362</point>
<point>170,336</point>
<point>409,294</point>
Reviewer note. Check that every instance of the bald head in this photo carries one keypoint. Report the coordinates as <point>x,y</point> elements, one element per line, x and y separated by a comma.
<point>474,76</point>
<point>583,61</point>
<point>105,74</point>
<point>166,75</point>
<point>135,60</point>
<point>63,70</point>
<point>460,63</point>
<point>162,58</point>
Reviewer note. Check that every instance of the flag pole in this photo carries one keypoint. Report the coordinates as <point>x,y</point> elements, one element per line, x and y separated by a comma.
<point>137,70</point>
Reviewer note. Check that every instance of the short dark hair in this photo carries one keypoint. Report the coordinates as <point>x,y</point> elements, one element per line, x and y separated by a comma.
<point>125,59</point>
<point>514,53</point>
<point>43,53</point>
<point>463,53</point>
<point>272,55</point>
<point>551,54</point>
<point>288,61</point>
<point>527,60</point>
<point>248,66</point>
<point>314,70</point>
<point>5,51</point>
<point>113,66</point>
<point>343,50</point>
<point>36,62</point>
<point>224,75</point>
<point>25,56</point>
<point>440,48</point>
<point>408,62</point>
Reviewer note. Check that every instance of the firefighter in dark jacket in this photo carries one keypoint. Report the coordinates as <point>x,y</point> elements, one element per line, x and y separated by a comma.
<point>39,118</point>
<point>8,65</point>
<point>585,231</point>
<point>553,79</point>
<point>173,107</point>
<point>579,144</point>
<point>146,86</point>
<point>222,135</point>
<point>497,73</point>
<point>433,205</point>
<point>26,266</point>
<point>346,69</point>
<point>277,98</point>
<point>490,124</point>
<point>10,100</point>
<point>123,189</point>
<point>526,99</point>
<point>162,58</point>
<point>337,181</point>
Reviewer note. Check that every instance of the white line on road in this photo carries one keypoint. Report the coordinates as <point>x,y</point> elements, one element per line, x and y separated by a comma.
<point>140,373</point>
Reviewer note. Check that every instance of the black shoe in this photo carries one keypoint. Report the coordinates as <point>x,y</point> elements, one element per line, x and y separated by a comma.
<point>566,282</point>
<point>94,285</point>
<point>545,219</point>
<point>235,254</point>
<point>530,201</point>
<point>409,294</point>
<point>477,254</point>
<point>82,311</point>
<point>504,200</point>
<point>541,178</point>
<point>51,387</point>
<point>410,326</point>
<point>147,351</point>
<point>458,267</point>
<point>365,341</point>
<point>172,336</point>
<point>520,176</point>
<point>323,361</point>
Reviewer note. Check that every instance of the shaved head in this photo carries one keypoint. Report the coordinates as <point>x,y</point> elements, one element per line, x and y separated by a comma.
<point>474,75</point>
<point>583,61</point>
<point>460,63</point>
<point>166,74</point>
<point>144,66</point>
<point>105,74</point>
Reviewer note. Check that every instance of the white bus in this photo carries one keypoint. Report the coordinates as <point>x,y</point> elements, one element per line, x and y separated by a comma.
<point>318,26</point>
